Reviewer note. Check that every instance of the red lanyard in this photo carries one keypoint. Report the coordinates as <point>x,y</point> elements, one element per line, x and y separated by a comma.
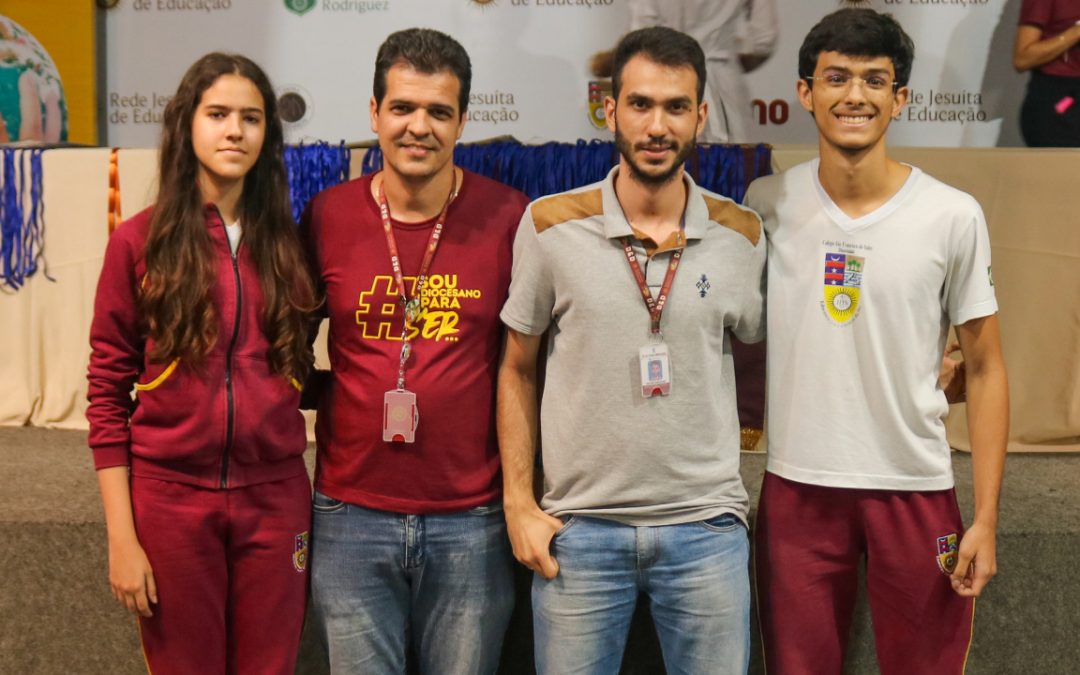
<point>655,307</point>
<point>411,305</point>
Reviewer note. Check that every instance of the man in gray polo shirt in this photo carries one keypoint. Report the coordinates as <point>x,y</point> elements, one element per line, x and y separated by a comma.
<point>639,281</point>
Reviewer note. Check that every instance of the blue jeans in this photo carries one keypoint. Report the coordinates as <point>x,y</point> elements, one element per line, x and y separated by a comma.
<point>380,580</point>
<point>695,576</point>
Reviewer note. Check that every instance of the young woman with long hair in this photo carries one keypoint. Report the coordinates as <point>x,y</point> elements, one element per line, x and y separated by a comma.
<point>202,309</point>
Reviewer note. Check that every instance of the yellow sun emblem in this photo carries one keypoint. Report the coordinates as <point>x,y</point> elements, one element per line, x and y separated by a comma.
<point>841,303</point>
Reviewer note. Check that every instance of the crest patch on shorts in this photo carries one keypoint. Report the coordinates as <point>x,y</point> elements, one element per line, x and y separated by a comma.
<point>300,552</point>
<point>946,553</point>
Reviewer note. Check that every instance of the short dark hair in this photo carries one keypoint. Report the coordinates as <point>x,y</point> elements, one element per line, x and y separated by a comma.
<point>427,51</point>
<point>662,45</point>
<point>858,32</point>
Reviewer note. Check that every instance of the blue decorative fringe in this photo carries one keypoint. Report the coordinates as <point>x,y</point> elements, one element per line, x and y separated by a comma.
<point>312,169</point>
<point>22,246</point>
<point>539,170</point>
<point>536,170</point>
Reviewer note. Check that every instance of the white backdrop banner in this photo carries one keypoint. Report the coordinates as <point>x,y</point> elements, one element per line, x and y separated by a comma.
<point>530,60</point>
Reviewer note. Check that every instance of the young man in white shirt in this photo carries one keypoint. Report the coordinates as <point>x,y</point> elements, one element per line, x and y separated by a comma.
<point>870,262</point>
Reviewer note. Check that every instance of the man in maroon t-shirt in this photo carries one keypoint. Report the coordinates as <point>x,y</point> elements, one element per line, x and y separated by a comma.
<point>408,537</point>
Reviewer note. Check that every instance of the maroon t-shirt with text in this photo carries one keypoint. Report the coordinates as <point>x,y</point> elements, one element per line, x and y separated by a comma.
<point>453,464</point>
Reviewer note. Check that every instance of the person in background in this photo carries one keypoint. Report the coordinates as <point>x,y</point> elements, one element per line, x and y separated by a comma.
<point>1047,45</point>
<point>203,307</point>
<point>737,37</point>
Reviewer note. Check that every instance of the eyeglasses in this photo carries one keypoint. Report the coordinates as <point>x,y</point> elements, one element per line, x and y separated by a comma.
<point>841,81</point>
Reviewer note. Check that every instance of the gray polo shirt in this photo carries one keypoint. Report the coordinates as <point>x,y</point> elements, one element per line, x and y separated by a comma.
<point>608,452</point>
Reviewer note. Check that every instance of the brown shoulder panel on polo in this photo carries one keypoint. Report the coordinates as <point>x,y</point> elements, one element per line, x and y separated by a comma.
<point>732,216</point>
<point>567,206</point>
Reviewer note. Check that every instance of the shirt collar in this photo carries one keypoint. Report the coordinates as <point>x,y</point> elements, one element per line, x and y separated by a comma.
<point>616,226</point>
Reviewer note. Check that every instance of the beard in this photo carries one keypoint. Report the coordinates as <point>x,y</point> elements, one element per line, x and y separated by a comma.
<point>641,173</point>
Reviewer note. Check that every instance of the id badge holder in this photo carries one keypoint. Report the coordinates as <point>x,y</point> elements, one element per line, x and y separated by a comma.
<point>400,416</point>
<point>655,364</point>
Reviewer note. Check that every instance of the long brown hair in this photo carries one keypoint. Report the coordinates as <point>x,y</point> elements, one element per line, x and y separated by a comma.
<point>175,303</point>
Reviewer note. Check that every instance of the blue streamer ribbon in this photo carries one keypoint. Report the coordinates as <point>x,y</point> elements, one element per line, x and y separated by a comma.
<point>372,161</point>
<point>313,168</point>
<point>22,229</point>
<point>539,170</point>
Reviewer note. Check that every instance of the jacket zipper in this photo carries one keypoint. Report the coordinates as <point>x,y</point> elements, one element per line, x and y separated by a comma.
<point>230,414</point>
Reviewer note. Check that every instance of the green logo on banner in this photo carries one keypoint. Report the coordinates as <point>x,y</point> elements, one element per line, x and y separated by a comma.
<point>300,6</point>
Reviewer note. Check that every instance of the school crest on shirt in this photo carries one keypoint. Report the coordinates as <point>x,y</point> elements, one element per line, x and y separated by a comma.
<point>946,552</point>
<point>842,286</point>
<point>300,551</point>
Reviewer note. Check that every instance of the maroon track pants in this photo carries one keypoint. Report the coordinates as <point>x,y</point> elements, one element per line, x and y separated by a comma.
<point>231,573</point>
<point>809,541</point>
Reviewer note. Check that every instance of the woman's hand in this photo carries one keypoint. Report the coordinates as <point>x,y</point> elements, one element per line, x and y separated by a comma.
<point>131,577</point>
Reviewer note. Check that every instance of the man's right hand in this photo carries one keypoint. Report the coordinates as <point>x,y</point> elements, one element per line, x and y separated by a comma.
<point>530,531</point>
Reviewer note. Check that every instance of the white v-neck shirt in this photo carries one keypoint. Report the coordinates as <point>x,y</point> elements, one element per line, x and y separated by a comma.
<point>858,313</point>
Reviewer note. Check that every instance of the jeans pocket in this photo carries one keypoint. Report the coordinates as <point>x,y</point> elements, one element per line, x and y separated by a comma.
<point>725,522</point>
<point>320,503</point>
<point>486,509</point>
<point>567,524</point>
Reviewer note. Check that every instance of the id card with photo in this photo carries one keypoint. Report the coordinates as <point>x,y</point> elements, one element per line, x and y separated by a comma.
<point>655,366</point>
<point>400,416</point>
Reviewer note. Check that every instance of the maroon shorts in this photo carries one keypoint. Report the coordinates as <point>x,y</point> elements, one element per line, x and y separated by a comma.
<point>231,572</point>
<point>809,542</point>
